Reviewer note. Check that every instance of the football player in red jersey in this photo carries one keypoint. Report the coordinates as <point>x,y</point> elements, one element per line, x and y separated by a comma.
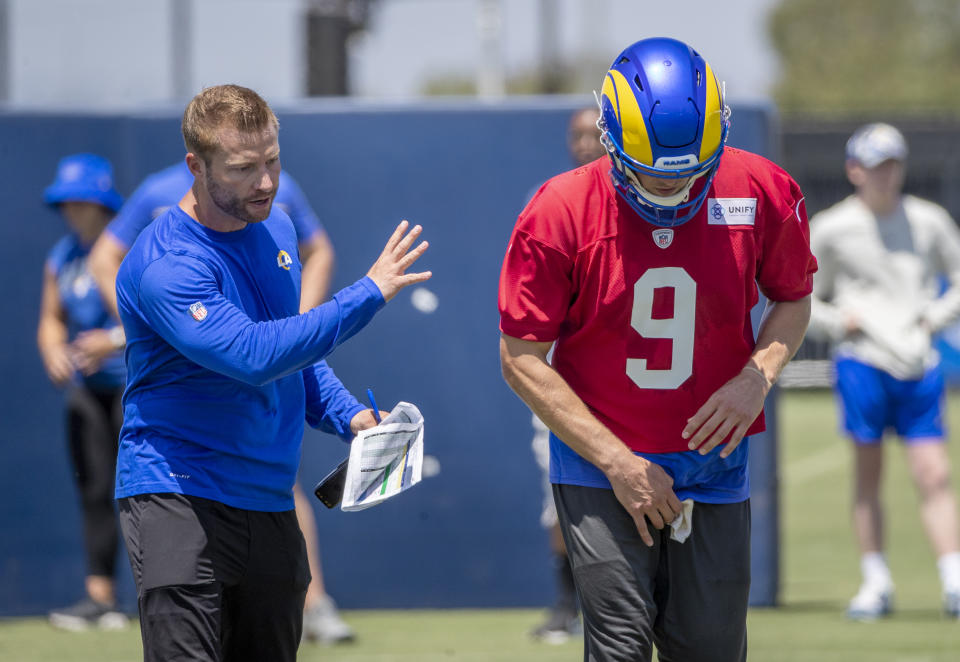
<point>644,275</point>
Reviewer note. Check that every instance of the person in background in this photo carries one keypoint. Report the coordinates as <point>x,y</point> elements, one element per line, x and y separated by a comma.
<point>563,619</point>
<point>222,373</point>
<point>583,136</point>
<point>643,270</point>
<point>882,257</point>
<point>162,190</point>
<point>80,344</point>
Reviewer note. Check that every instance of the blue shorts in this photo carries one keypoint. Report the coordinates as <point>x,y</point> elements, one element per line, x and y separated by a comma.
<point>873,401</point>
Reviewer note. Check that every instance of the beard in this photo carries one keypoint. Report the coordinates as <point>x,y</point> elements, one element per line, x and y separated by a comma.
<point>232,205</point>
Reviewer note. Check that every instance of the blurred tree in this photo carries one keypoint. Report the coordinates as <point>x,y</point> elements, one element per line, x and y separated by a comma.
<point>852,56</point>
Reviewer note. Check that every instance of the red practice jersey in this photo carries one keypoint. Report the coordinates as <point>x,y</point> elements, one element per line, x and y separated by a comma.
<point>649,322</point>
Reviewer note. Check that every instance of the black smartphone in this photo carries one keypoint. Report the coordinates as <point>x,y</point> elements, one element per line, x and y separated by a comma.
<point>330,489</point>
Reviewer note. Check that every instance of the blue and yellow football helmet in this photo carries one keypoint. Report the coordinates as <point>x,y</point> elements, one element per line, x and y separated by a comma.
<point>662,115</point>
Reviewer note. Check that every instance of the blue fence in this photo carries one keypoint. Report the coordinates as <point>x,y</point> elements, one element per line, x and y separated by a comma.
<point>468,536</point>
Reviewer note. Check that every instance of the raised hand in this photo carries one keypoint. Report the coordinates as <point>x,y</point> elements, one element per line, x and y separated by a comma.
<point>389,271</point>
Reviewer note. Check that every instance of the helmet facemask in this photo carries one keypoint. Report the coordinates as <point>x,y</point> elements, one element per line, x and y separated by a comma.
<point>663,211</point>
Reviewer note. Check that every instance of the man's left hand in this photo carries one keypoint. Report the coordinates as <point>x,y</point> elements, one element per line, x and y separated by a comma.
<point>728,413</point>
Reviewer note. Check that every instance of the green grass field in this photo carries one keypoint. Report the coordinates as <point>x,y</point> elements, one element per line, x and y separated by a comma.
<point>820,573</point>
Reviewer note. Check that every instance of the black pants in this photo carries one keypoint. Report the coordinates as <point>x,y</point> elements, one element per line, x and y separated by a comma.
<point>93,432</point>
<point>215,583</point>
<point>688,599</point>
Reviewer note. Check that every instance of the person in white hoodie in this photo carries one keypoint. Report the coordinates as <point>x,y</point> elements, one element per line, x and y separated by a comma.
<point>883,257</point>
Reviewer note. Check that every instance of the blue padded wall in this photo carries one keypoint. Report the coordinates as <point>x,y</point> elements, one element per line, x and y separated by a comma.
<point>468,536</point>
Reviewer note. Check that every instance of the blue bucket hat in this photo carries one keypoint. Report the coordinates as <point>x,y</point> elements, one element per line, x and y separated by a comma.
<point>84,178</point>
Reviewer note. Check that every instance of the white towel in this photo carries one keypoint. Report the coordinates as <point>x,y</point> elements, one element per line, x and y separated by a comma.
<point>682,525</point>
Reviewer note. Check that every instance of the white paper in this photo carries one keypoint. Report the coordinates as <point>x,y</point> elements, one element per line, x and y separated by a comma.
<point>385,460</point>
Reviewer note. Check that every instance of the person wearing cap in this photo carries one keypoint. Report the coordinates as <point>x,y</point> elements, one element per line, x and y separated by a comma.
<point>882,256</point>
<point>80,343</point>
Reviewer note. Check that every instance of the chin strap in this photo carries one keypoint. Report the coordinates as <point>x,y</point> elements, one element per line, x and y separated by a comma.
<point>677,198</point>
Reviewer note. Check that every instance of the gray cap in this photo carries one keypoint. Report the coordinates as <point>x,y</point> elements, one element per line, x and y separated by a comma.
<point>875,143</point>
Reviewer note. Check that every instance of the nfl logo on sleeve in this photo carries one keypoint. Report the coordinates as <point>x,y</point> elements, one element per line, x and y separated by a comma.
<point>199,311</point>
<point>731,211</point>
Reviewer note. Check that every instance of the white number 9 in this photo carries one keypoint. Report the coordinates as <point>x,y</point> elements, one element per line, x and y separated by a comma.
<point>679,328</point>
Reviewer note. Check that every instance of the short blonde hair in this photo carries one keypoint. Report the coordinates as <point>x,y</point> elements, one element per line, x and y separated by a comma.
<point>239,107</point>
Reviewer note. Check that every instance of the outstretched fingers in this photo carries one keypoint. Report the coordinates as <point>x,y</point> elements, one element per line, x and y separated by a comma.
<point>414,278</point>
<point>396,237</point>
<point>414,255</point>
<point>404,243</point>
<point>399,253</point>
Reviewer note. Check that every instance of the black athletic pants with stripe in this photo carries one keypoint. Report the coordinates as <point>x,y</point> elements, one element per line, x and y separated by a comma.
<point>215,583</point>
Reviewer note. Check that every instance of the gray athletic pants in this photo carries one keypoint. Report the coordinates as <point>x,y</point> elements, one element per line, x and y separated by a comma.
<point>689,600</point>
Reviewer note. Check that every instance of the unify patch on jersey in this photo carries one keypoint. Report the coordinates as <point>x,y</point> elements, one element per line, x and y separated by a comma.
<point>199,311</point>
<point>731,211</point>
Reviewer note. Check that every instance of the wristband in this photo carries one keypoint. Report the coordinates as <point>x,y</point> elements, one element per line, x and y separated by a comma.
<point>762,376</point>
<point>118,337</point>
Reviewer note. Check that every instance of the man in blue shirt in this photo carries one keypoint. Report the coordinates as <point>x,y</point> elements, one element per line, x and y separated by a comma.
<point>154,196</point>
<point>222,372</point>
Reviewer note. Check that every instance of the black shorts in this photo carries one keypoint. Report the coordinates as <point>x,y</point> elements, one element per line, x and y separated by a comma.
<point>688,599</point>
<point>214,582</point>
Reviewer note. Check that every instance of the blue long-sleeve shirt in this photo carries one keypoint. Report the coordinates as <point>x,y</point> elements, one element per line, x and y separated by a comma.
<point>222,370</point>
